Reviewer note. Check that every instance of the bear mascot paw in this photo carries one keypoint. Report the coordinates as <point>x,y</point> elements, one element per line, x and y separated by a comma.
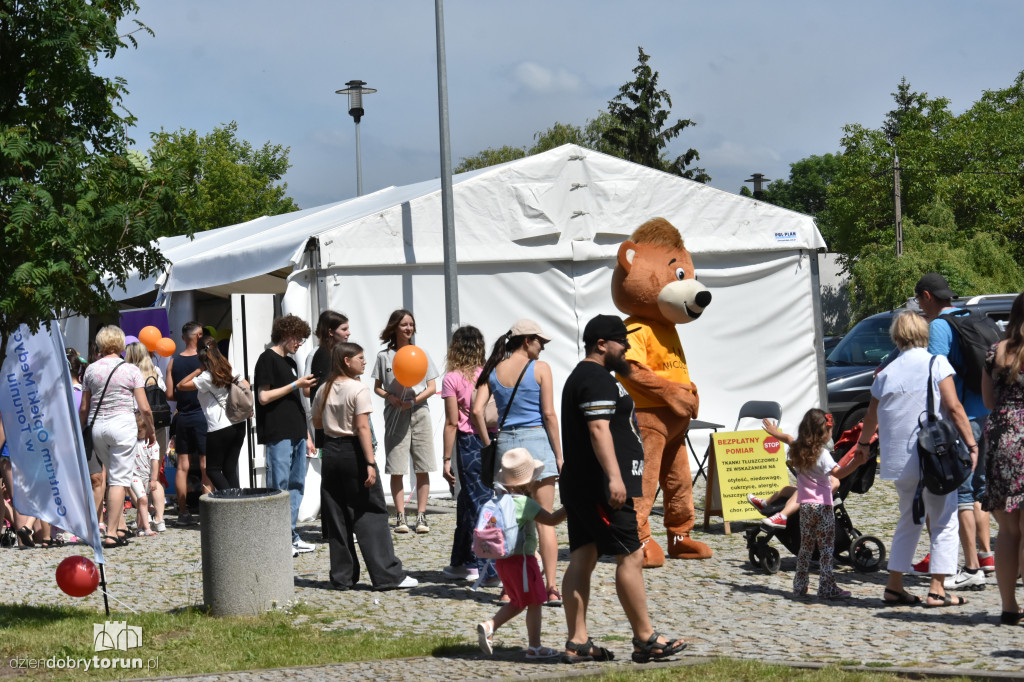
<point>654,284</point>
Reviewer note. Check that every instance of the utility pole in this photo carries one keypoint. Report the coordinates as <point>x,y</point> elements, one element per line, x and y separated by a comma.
<point>451,265</point>
<point>896,204</point>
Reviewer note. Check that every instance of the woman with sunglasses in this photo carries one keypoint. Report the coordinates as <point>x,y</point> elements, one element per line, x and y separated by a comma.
<point>532,421</point>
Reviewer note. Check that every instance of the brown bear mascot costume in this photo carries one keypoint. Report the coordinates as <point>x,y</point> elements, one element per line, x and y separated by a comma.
<point>654,284</point>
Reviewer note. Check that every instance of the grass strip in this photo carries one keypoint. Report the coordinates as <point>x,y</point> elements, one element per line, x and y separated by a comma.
<point>190,641</point>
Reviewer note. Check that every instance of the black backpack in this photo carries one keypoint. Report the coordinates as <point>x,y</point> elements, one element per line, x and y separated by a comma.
<point>158,404</point>
<point>944,457</point>
<point>975,334</point>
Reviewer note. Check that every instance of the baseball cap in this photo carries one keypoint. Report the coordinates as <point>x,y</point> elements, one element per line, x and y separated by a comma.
<point>605,327</point>
<point>936,285</point>
<point>526,327</point>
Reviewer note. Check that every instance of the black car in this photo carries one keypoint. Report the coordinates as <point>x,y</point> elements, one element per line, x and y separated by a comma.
<point>852,364</point>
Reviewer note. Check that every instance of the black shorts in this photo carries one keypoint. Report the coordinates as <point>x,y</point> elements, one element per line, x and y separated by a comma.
<point>612,530</point>
<point>190,433</point>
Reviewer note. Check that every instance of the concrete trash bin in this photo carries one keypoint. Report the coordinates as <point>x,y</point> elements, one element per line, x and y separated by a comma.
<point>247,551</point>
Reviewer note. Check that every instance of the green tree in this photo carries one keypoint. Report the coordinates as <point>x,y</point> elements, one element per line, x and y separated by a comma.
<point>225,180</point>
<point>975,264</point>
<point>78,213</point>
<point>806,188</point>
<point>489,157</point>
<point>590,135</point>
<point>640,113</point>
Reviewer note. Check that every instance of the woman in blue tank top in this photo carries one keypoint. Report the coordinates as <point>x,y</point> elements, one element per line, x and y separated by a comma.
<point>532,421</point>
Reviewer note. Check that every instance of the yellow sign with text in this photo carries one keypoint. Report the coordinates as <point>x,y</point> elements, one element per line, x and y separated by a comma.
<point>748,462</point>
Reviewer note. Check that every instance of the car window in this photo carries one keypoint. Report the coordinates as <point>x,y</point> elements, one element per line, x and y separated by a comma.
<point>868,343</point>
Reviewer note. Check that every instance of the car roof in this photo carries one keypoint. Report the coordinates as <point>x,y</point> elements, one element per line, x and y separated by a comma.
<point>993,305</point>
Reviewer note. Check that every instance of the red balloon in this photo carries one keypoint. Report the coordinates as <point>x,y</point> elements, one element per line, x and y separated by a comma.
<point>150,336</point>
<point>77,576</point>
<point>409,366</point>
<point>165,347</point>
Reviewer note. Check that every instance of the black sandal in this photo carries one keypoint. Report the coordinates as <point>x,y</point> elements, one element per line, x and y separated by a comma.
<point>652,649</point>
<point>25,533</point>
<point>901,598</point>
<point>588,651</point>
<point>51,542</point>
<point>946,600</point>
<point>117,541</point>
<point>1011,617</point>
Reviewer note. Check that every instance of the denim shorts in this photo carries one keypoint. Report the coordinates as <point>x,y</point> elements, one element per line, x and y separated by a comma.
<point>535,440</point>
<point>973,489</point>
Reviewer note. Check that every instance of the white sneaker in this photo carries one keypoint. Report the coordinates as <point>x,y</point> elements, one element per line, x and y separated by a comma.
<point>400,525</point>
<point>158,526</point>
<point>408,582</point>
<point>421,524</point>
<point>300,547</point>
<point>965,581</point>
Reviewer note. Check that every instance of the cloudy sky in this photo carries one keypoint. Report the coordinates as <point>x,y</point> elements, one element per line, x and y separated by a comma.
<point>768,83</point>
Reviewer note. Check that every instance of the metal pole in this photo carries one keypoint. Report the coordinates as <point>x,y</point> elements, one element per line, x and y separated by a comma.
<point>359,165</point>
<point>103,585</point>
<point>451,268</point>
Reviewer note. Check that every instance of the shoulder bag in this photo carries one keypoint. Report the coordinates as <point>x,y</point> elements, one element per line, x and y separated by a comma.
<point>489,453</point>
<point>945,459</point>
<point>239,404</point>
<point>87,430</point>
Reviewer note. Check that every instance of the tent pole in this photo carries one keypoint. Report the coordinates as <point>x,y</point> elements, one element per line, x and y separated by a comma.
<point>451,268</point>
<point>819,328</point>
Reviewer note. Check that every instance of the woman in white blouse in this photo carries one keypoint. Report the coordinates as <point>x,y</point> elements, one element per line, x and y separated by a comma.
<point>899,396</point>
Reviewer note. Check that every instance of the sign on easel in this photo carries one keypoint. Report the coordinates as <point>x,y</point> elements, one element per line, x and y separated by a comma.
<point>746,462</point>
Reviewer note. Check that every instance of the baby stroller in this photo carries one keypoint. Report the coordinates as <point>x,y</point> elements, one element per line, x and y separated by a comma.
<point>864,552</point>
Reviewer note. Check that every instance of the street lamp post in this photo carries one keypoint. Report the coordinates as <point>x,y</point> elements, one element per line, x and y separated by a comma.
<point>355,92</point>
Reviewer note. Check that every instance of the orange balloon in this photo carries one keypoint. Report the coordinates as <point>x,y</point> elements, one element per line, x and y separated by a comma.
<point>150,336</point>
<point>165,347</point>
<point>409,366</point>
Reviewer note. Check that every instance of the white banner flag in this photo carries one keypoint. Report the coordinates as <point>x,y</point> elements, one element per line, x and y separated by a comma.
<point>44,437</point>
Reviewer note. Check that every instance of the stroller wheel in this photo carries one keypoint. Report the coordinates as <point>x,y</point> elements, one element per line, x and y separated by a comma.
<point>771,561</point>
<point>867,554</point>
<point>752,554</point>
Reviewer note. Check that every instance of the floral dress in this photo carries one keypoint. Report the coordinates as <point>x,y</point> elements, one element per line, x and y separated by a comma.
<point>1004,431</point>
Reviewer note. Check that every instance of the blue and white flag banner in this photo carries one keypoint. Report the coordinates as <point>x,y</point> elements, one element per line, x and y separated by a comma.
<point>44,436</point>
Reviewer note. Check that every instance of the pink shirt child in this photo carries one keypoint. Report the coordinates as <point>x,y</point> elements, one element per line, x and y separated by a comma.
<point>813,485</point>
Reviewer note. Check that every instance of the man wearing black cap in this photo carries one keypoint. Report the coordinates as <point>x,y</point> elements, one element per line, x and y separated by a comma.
<point>936,301</point>
<point>602,473</point>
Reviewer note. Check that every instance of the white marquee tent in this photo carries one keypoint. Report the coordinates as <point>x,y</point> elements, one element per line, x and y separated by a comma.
<point>537,238</point>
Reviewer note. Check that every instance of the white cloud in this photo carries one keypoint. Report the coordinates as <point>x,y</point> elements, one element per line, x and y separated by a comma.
<point>540,79</point>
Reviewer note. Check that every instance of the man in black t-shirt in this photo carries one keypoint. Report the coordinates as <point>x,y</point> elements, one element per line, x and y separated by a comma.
<point>602,473</point>
<point>280,416</point>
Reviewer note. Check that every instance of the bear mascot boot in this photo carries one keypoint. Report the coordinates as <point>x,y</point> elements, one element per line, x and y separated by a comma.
<point>653,283</point>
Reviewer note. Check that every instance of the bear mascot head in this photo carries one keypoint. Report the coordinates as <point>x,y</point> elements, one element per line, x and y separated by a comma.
<point>654,283</point>
<point>654,277</point>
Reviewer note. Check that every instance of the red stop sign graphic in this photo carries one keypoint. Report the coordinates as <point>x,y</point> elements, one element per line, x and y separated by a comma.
<point>772,444</point>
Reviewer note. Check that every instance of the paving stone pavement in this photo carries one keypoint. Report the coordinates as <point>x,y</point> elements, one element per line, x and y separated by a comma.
<point>722,606</point>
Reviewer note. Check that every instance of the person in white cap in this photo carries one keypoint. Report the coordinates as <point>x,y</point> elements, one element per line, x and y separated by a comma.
<point>522,385</point>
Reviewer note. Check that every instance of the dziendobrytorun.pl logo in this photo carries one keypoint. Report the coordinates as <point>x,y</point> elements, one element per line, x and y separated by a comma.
<point>109,636</point>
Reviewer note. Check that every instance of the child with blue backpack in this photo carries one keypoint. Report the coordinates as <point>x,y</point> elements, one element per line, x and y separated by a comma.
<point>512,542</point>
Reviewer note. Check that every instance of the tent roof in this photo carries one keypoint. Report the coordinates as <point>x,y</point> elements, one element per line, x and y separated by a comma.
<point>568,203</point>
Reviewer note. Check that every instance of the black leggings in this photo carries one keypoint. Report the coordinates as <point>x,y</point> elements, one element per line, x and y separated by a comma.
<point>222,448</point>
